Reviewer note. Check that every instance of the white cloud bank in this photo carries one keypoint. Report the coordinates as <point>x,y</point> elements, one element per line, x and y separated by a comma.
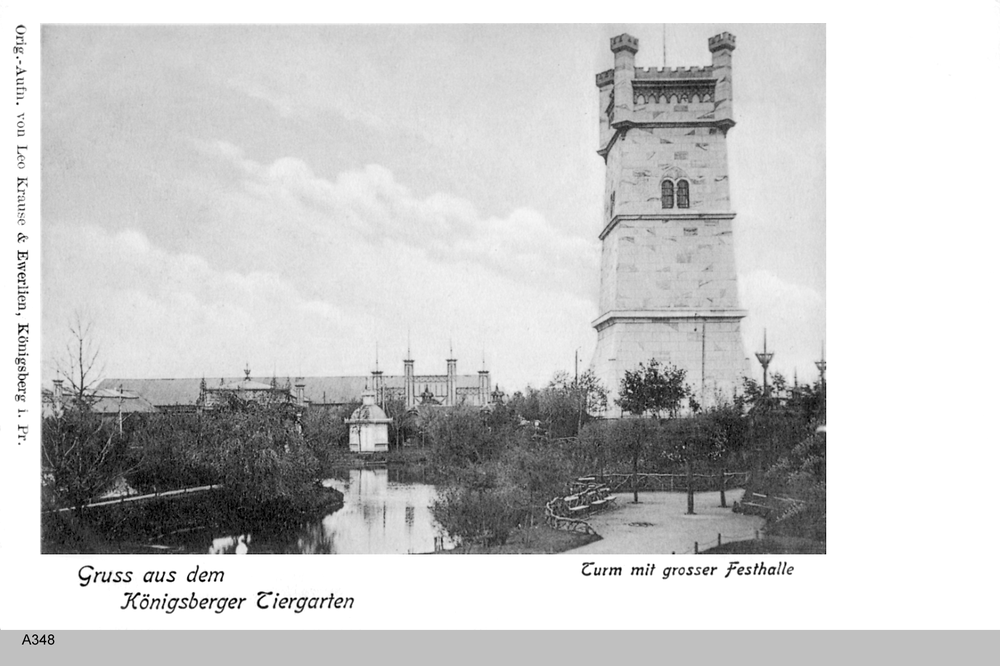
<point>297,274</point>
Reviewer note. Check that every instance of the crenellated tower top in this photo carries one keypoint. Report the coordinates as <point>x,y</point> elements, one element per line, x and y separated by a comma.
<point>722,41</point>
<point>624,42</point>
<point>633,96</point>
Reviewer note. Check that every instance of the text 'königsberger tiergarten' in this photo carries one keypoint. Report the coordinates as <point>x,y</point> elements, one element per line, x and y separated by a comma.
<point>265,601</point>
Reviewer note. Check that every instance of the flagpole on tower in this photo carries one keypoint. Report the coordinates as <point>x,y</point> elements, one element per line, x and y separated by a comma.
<point>664,46</point>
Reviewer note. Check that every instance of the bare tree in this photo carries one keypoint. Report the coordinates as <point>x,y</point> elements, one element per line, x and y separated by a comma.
<point>82,451</point>
<point>80,368</point>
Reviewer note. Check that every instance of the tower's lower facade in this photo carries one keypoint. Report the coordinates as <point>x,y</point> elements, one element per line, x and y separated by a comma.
<point>709,348</point>
<point>668,277</point>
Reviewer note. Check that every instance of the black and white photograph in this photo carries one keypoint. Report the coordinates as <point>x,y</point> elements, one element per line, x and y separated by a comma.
<point>433,289</point>
<point>521,313</point>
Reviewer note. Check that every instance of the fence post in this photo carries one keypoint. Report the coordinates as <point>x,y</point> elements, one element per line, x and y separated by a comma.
<point>720,538</point>
<point>756,534</point>
<point>695,547</point>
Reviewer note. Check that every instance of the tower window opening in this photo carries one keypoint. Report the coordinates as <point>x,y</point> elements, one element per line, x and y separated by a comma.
<point>683,196</point>
<point>667,194</point>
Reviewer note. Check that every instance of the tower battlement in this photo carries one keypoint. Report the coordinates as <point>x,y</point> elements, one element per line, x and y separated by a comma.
<point>624,42</point>
<point>660,73</point>
<point>606,78</point>
<point>721,41</point>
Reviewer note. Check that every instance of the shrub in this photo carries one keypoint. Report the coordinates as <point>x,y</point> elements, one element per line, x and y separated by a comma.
<point>82,455</point>
<point>481,506</point>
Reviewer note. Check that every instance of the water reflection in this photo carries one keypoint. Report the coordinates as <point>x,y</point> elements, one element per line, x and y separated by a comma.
<point>230,545</point>
<point>381,514</point>
<point>385,511</point>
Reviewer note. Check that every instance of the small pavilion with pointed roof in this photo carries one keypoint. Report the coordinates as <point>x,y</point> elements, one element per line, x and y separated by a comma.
<point>369,426</point>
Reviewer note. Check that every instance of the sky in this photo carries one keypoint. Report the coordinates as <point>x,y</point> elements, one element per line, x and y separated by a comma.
<point>289,198</point>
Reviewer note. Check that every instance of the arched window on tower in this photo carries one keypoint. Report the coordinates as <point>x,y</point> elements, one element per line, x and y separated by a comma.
<point>667,194</point>
<point>683,197</point>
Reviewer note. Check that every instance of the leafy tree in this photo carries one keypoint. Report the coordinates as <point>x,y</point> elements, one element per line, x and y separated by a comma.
<point>259,456</point>
<point>461,436</point>
<point>596,446</point>
<point>752,395</point>
<point>169,452</point>
<point>653,390</point>
<point>540,471</point>
<point>403,426</point>
<point>558,408</point>
<point>527,404</point>
<point>568,402</point>
<point>632,435</point>
<point>691,440</point>
<point>325,433</point>
<point>778,385</point>
<point>727,429</point>
<point>777,422</point>
<point>808,402</point>
<point>649,390</point>
<point>482,506</point>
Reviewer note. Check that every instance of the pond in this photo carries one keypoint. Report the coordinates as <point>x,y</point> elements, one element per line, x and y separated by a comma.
<point>385,511</point>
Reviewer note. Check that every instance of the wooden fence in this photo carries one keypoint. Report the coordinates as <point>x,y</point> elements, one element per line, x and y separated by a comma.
<point>700,547</point>
<point>139,498</point>
<point>675,482</point>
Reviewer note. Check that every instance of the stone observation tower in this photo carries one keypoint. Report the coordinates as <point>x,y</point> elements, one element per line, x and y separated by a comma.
<point>668,276</point>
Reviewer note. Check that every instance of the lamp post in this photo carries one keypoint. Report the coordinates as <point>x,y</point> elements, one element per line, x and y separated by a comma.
<point>821,366</point>
<point>765,359</point>
<point>121,397</point>
<point>576,390</point>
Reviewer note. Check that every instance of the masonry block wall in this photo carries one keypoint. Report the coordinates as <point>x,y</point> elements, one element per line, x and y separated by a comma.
<point>668,274</point>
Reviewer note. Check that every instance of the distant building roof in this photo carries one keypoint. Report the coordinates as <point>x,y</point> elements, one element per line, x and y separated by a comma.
<point>111,401</point>
<point>101,401</point>
<point>334,390</point>
<point>317,390</point>
<point>164,391</point>
<point>245,385</point>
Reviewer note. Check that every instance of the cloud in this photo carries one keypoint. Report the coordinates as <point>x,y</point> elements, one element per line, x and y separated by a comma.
<point>367,209</point>
<point>173,314</point>
<point>281,103</point>
<point>299,274</point>
<point>310,93</point>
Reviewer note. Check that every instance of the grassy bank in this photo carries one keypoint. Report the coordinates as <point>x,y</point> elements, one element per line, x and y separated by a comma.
<point>144,527</point>
<point>770,546</point>
<point>538,540</point>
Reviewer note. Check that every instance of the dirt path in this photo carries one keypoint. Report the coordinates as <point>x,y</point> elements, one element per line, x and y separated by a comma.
<point>658,524</point>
